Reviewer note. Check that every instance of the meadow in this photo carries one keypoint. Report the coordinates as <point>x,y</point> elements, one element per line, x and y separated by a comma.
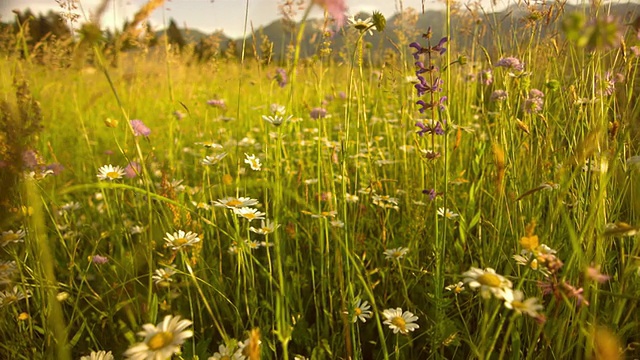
<point>437,201</point>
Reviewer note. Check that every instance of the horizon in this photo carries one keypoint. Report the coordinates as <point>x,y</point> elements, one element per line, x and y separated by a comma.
<point>209,16</point>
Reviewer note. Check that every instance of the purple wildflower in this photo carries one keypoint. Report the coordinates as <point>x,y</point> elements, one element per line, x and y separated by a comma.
<point>217,103</point>
<point>132,170</point>
<point>486,77</point>
<point>99,260</point>
<point>318,113</point>
<point>510,63</point>
<point>178,115</point>
<point>431,192</point>
<point>139,128</point>
<point>424,105</point>
<point>29,159</point>
<point>423,87</point>
<point>342,95</point>
<point>534,102</point>
<point>57,168</point>
<point>440,48</point>
<point>498,95</point>
<point>281,77</point>
<point>433,128</point>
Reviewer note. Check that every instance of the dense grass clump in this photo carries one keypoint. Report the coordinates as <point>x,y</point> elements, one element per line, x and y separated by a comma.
<point>445,199</point>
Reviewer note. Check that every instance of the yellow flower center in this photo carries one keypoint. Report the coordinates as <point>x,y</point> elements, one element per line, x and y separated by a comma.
<point>113,175</point>
<point>250,216</point>
<point>234,202</point>
<point>358,311</point>
<point>10,237</point>
<point>488,279</point>
<point>517,304</point>
<point>399,323</point>
<point>160,340</point>
<point>180,241</point>
<point>397,254</point>
<point>9,299</point>
<point>225,357</point>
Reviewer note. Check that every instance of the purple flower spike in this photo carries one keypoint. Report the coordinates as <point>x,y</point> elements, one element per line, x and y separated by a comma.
<point>132,170</point>
<point>440,48</point>
<point>434,128</point>
<point>139,128</point>
<point>281,77</point>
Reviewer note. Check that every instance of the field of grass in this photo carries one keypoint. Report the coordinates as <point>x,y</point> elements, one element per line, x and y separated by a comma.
<point>310,210</point>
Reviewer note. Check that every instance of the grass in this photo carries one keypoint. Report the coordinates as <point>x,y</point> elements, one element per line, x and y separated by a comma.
<point>342,190</point>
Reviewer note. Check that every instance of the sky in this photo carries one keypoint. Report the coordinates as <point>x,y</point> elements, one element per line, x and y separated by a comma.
<point>207,15</point>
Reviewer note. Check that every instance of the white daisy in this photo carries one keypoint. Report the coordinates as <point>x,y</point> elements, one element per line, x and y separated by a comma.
<point>265,228</point>
<point>214,159</point>
<point>160,341</point>
<point>110,172</point>
<point>513,299</point>
<point>361,25</point>
<point>249,213</point>
<point>253,161</point>
<point>162,277</point>
<point>232,203</point>
<point>98,355</point>
<point>447,213</point>
<point>361,311</point>
<point>8,297</point>
<point>223,353</point>
<point>180,239</point>
<point>201,205</point>
<point>11,236</point>
<point>395,254</point>
<point>400,322</point>
<point>455,288</point>
<point>488,281</point>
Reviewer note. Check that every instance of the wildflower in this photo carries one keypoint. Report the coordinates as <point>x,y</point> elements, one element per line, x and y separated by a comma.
<point>534,101</point>
<point>99,259</point>
<point>110,172</point>
<point>486,77</point>
<point>223,353</point>
<point>488,281</point>
<point>321,215</point>
<point>455,288</point>
<point>423,87</point>
<point>385,201</point>
<point>513,299</point>
<point>212,160</point>
<point>111,123</point>
<point>429,127</point>
<point>439,48</point>
<point>529,243</point>
<point>318,113</point>
<point>336,8</point>
<point>276,119</point>
<point>432,193</point>
<point>337,223</point>
<point>424,106</point>
<point>351,198</point>
<point>7,270</point>
<point>253,162</point>
<point>163,277</point>
<point>161,341</point>
<point>132,170</point>
<point>594,273</point>
<point>210,145</point>
<point>511,63</point>
<point>395,254</point>
<point>201,205</point>
<point>233,203</point>
<point>281,77</point>
<point>250,348</point>
<point>217,103</point>
<point>139,128</point>
<point>498,95</point>
<point>179,115</point>
<point>361,25</point>
<point>8,297</point>
<point>361,310</point>
<point>98,355</point>
<point>11,237</point>
<point>249,213</point>
<point>136,229</point>
<point>180,239</point>
<point>400,322</point>
<point>265,228</point>
<point>447,213</point>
